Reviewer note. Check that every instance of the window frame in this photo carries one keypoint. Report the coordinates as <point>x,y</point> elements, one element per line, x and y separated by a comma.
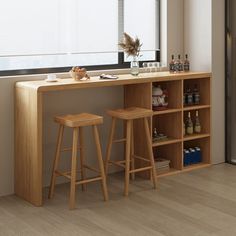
<point>120,65</point>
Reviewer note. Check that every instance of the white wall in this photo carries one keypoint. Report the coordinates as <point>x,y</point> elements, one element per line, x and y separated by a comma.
<point>218,83</point>
<point>172,29</point>
<point>197,33</point>
<point>204,42</point>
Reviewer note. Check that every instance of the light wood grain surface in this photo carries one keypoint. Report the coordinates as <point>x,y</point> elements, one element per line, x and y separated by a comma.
<point>64,84</point>
<point>197,203</point>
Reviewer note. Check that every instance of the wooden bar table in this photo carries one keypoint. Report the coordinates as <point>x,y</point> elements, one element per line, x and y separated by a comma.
<point>137,92</point>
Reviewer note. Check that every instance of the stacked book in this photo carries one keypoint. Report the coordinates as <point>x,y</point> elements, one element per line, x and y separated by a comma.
<point>162,165</point>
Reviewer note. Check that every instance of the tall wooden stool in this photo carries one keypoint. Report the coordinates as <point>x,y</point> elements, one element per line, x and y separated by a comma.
<point>129,115</point>
<point>77,122</point>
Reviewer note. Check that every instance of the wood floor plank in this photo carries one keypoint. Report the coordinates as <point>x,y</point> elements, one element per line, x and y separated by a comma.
<point>197,203</point>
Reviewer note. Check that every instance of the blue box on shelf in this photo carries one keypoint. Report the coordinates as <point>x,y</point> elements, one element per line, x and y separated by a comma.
<point>192,156</point>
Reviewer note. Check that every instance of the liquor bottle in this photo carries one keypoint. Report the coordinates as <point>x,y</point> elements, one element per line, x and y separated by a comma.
<point>189,125</point>
<point>180,64</point>
<point>196,95</point>
<point>184,130</point>
<point>186,64</point>
<point>197,125</point>
<point>172,64</point>
<point>189,96</point>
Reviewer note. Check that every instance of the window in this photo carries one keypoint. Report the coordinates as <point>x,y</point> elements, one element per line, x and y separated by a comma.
<point>51,36</point>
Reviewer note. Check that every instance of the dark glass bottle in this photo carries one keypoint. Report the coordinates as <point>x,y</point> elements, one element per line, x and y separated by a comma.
<point>180,64</point>
<point>172,64</point>
<point>186,64</point>
<point>196,95</point>
<point>189,99</point>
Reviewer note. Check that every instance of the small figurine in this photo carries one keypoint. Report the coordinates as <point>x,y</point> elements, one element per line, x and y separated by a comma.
<point>155,134</point>
<point>159,98</point>
<point>78,73</point>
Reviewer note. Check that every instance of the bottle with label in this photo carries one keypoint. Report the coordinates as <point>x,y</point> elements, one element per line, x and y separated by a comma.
<point>186,64</point>
<point>180,64</point>
<point>197,125</point>
<point>189,125</point>
<point>172,64</point>
<point>196,95</point>
<point>189,96</point>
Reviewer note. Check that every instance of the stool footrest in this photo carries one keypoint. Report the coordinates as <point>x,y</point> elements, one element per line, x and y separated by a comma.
<point>140,169</point>
<point>119,140</point>
<point>69,149</point>
<point>91,168</point>
<point>118,163</point>
<point>141,158</point>
<point>88,180</point>
<point>65,174</point>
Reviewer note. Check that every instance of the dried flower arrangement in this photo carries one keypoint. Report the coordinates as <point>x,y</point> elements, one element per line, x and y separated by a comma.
<point>130,46</point>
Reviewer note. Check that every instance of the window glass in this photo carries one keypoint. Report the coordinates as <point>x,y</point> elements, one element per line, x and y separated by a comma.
<point>140,20</point>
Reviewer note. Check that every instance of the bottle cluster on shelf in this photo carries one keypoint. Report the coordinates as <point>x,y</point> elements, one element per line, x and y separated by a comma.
<point>190,127</point>
<point>176,66</point>
<point>192,156</point>
<point>191,96</point>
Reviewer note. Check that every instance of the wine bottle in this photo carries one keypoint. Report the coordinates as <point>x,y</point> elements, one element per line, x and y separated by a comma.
<point>196,95</point>
<point>172,64</point>
<point>189,100</point>
<point>180,64</point>
<point>189,125</point>
<point>186,64</point>
<point>197,125</point>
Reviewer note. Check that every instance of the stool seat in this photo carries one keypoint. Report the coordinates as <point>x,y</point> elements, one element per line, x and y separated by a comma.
<point>79,120</point>
<point>130,113</point>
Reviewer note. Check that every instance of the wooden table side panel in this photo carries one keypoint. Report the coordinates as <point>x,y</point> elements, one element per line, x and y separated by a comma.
<point>139,95</point>
<point>28,145</point>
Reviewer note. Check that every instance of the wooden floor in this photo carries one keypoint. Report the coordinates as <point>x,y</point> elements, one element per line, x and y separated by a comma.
<point>199,203</point>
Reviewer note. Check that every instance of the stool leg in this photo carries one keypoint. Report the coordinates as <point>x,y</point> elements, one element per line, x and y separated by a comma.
<point>73,168</point>
<point>132,151</point>
<point>56,161</point>
<point>150,152</point>
<point>109,146</point>
<point>81,142</point>
<point>127,157</point>
<point>100,162</point>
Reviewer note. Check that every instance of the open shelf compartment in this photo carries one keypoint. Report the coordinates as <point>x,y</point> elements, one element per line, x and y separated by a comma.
<point>203,86</point>
<point>204,145</point>
<point>174,89</point>
<point>170,125</point>
<point>172,152</point>
<point>204,117</point>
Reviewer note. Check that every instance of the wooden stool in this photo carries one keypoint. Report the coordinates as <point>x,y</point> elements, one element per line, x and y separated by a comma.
<point>129,115</point>
<point>77,122</point>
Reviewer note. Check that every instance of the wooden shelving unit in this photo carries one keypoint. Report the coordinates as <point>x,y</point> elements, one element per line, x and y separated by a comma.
<point>170,123</point>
